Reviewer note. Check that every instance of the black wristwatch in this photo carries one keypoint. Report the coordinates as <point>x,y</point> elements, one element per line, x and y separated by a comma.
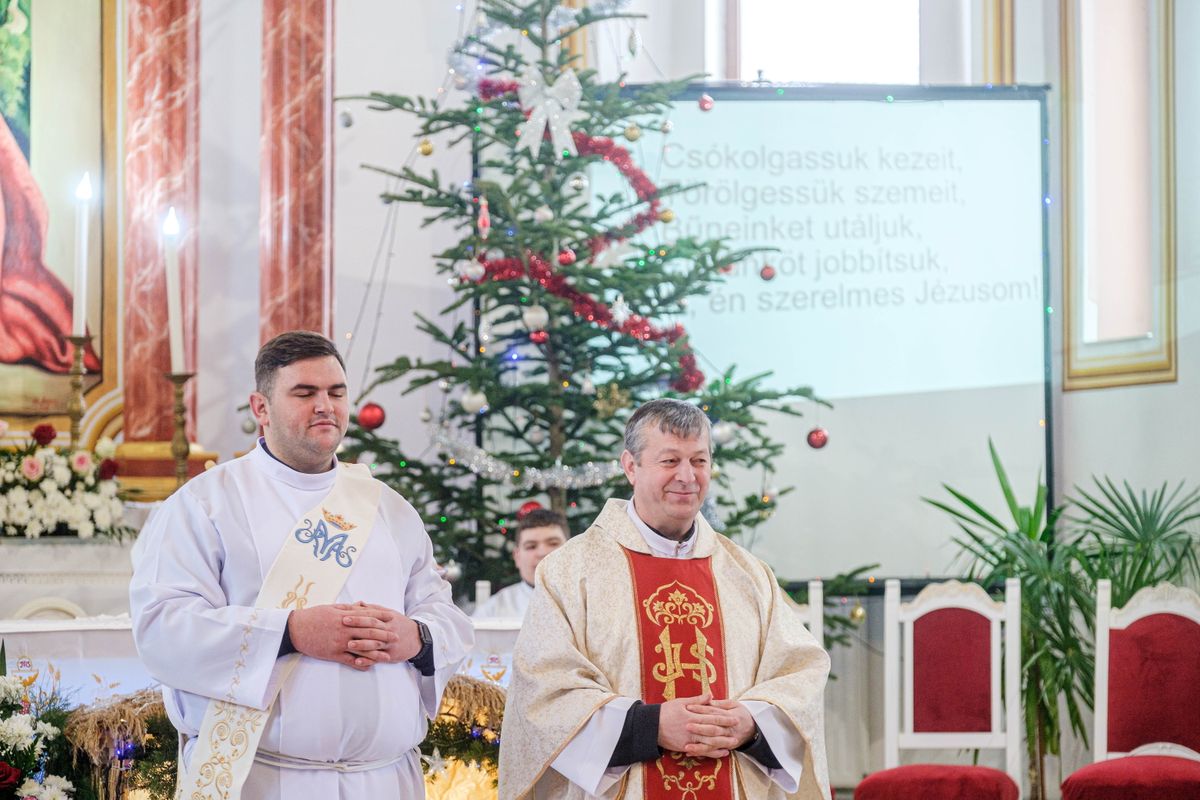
<point>423,660</point>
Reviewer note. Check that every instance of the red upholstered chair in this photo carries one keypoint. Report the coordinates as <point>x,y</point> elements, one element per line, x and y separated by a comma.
<point>1147,734</point>
<point>950,639</point>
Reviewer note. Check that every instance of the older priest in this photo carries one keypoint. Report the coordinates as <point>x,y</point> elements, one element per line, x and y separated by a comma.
<point>290,607</point>
<point>659,659</point>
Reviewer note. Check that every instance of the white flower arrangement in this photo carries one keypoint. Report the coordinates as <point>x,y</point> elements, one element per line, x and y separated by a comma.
<point>23,740</point>
<point>44,491</point>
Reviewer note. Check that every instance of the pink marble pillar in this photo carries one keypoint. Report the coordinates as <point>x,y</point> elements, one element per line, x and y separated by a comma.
<point>161,169</point>
<point>295,223</point>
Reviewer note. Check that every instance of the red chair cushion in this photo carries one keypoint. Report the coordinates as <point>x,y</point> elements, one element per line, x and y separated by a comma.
<point>937,782</point>
<point>1135,778</point>
<point>952,672</point>
<point>1154,683</point>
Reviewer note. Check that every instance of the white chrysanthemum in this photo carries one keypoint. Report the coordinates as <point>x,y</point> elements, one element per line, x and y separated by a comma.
<point>30,788</point>
<point>56,782</point>
<point>86,530</point>
<point>108,489</point>
<point>53,793</point>
<point>102,518</point>
<point>61,474</point>
<point>45,729</point>
<point>106,447</point>
<point>11,690</point>
<point>17,732</point>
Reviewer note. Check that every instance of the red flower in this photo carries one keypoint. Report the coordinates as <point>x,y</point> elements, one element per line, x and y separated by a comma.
<point>108,469</point>
<point>10,776</point>
<point>44,434</point>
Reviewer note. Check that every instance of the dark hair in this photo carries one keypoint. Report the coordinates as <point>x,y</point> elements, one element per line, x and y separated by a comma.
<point>671,416</point>
<point>541,518</point>
<point>288,348</point>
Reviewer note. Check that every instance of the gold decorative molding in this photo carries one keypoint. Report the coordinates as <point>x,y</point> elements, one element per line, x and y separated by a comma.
<point>999,51</point>
<point>1131,362</point>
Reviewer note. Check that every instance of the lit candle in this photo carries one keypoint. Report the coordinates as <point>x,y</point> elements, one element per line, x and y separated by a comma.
<point>83,203</point>
<point>170,231</point>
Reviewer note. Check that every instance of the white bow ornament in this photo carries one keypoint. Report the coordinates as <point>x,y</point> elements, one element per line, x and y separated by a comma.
<point>554,107</point>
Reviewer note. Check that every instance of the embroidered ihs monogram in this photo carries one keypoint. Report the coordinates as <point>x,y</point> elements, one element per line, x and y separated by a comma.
<point>328,545</point>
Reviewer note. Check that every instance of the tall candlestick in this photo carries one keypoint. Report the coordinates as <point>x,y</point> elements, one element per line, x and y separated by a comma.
<point>83,203</point>
<point>170,231</point>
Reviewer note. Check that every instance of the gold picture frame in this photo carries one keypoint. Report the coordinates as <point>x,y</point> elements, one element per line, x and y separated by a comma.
<point>47,395</point>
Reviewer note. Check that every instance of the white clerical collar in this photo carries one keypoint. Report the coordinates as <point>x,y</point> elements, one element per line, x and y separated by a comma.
<point>660,545</point>
<point>305,481</point>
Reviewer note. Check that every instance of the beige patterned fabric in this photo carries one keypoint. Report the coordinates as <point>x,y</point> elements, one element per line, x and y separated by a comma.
<point>578,650</point>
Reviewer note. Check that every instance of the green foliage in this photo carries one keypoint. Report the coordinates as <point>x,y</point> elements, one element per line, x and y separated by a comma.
<point>154,768</point>
<point>15,43</point>
<point>455,740</point>
<point>542,410</point>
<point>851,583</point>
<point>1055,597</point>
<point>1138,539</point>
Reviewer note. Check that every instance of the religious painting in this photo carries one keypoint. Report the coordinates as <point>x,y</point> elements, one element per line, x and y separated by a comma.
<point>57,124</point>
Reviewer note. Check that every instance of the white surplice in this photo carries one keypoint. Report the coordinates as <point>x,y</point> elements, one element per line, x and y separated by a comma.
<point>198,565</point>
<point>510,603</point>
<point>584,761</point>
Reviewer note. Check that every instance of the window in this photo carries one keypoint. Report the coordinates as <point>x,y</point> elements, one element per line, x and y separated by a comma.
<point>818,41</point>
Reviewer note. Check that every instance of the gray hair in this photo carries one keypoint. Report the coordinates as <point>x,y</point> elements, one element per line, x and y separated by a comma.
<point>671,416</point>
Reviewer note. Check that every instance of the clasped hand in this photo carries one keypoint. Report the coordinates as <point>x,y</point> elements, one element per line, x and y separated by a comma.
<point>359,635</point>
<point>701,726</point>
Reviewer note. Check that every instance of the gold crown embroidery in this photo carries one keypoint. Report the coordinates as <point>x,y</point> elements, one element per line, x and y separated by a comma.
<point>337,520</point>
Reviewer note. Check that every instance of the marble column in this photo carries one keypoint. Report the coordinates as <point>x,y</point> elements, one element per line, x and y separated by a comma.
<point>295,221</point>
<point>161,170</point>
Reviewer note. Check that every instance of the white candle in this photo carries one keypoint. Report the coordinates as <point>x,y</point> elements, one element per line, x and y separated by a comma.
<point>83,203</point>
<point>170,231</point>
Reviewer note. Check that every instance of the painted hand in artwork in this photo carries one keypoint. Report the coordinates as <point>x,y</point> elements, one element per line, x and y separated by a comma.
<point>35,306</point>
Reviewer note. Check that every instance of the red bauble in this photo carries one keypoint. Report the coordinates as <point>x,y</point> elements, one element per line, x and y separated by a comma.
<point>767,273</point>
<point>725,269</point>
<point>706,102</point>
<point>539,337</point>
<point>818,438</point>
<point>371,416</point>
<point>523,511</point>
<point>566,257</point>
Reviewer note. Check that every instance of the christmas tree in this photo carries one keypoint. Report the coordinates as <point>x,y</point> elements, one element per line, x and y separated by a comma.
<point>564,300</point>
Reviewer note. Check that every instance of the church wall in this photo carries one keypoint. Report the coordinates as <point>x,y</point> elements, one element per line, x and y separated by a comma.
<point>1139,433</point>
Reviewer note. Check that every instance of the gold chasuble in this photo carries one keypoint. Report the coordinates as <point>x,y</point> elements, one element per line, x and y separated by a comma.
<point>610,620</point>
<point>683,655</point>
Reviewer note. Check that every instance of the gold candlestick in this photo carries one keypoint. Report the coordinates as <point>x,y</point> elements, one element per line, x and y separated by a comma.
<point>75,406</point>
<point>179,443</point>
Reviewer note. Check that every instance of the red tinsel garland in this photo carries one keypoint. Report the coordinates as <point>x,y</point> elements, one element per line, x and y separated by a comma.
<point>689,377</point>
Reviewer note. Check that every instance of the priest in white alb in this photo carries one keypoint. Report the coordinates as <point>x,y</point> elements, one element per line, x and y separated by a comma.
<point>540,532</point>
<point>290,607</point>
<point>658,659</point>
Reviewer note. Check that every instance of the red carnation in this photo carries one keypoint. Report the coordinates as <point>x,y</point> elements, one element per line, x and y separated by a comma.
<point>10,776</point>
<point>108,469</point>
<point>44,434</point>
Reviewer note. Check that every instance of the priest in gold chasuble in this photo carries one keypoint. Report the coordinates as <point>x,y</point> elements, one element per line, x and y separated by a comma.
<point>660,660</point>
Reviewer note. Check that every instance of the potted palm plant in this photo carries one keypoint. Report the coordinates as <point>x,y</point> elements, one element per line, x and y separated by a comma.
<point>1024,543</point>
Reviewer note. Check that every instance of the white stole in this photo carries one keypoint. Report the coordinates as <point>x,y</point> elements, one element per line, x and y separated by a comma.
<point>310,570</point>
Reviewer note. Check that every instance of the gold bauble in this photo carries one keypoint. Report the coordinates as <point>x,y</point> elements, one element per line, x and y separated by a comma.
<point>666,215</point>
<point>610,399</point>
<point>858,614</point>
<point>425,148</point>
<point>633,133</point>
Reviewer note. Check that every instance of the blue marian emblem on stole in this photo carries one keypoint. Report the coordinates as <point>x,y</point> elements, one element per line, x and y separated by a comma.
<point>328,545</point>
